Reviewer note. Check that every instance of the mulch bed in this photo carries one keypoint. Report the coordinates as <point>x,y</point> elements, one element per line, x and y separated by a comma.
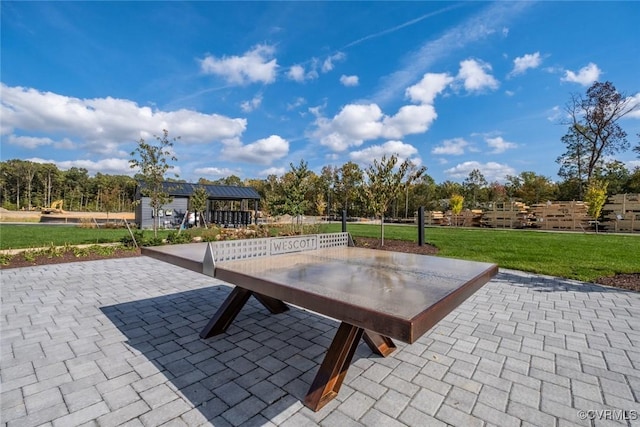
<point>623,281</point>
<point>18,261</point>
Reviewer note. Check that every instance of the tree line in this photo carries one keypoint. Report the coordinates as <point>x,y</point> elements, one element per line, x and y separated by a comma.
<point>299,191</point>
<point>28,185</point>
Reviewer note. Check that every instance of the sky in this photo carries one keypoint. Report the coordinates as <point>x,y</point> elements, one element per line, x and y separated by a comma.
<point>252,87</point>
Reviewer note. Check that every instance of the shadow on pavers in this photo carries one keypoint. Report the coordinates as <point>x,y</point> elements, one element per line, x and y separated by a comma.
<point>540,283</point>
<point>263,364</point>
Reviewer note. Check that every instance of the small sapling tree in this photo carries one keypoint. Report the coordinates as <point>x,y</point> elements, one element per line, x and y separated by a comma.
<point>385,182</point>
<point>456,201</point>
<point>595,197</point>
<point>152,161</point>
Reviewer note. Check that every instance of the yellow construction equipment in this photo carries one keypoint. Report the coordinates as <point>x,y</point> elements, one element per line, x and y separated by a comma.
<point>56,207</point>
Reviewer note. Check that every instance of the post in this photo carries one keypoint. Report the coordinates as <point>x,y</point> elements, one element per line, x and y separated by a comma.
<point>255,211</point>
<point>344,220</point>
<point>421,226</point>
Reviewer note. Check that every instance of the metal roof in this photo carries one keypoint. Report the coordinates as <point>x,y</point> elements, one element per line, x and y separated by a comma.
<point>216,192</point>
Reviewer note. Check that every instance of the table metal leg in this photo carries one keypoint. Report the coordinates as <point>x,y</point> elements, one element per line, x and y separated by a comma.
<point>226,313</point>
<point>379,344</point>
<point>275,306</point>
<point>334,367</point>
<point>232,306</point>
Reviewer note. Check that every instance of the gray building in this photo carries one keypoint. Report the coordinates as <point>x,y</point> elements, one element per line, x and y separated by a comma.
<point>227,206</point>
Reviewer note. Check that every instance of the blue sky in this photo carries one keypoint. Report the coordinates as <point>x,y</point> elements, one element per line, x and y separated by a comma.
<point>254,86</point>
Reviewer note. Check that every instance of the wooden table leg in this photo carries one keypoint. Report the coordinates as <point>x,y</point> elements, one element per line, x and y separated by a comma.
<point>226,313</point>
<point>334,367</point>
<point>379,344</point>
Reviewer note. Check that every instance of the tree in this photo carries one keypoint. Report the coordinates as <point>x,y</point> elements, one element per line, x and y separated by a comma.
<point>423,193</point>
<point>349,179</point>
<point>327,183</point>
<point>530,187</point>
<point>295,188</point>
<point>108,197</point>
<point>153,163</point>
<point>616,174</point>
<point>474,185</point>
<point>50,178</point>
<point>456,201</point>
<point>75,184</point>
<point>385,182</point>
<point>573,162</point>
<point>593,121</point>
<point>595,197</point>
<point>321,204</point>
<point>496,192</point>
<point>633,183</point>
<point>198,203</point>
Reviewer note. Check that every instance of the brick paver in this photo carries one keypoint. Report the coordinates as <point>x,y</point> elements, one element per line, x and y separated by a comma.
<point>116,343</point>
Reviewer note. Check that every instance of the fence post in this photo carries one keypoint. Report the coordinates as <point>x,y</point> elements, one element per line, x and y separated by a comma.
<point>421,226</point>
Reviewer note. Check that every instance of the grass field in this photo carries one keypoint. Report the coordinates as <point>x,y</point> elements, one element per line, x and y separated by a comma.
<point>13,236</point>
<point>572,255</point>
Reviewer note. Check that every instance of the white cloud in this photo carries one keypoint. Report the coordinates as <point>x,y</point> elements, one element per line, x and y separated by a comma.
<point>298,102</point>
<point>587,75</point>
<point>349,80</point>
<point>492,171</point>
<point>327,65</point>
<point>523,63</point>
<point>634,102</point>
<point>350,127</point>
<point>299,74</point>
<point>296,73</point>
<point>452,147</point>
<point>104,124</point>
<point>29,142</point>
<point>213,171</point>
<point>273,171</point>
<point>499,145</point>
<point>399,148</point>
<point>107,166</point>
<point>357,123</point>
<point>410,119</point>
<point>475,75</point>
<point>554,114</point>
<point>479,27</point>
<point>263,151</point>
<point>428,88</point>
<point>249,106</point>
<point>255,65</point>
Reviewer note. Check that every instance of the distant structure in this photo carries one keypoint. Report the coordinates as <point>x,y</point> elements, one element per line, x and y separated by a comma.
<point>228,206</point>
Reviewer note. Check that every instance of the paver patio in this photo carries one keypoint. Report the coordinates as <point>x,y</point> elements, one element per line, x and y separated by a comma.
<point>116,343</point>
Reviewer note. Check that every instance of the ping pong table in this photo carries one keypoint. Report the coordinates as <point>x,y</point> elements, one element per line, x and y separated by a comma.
<point>377,295</point>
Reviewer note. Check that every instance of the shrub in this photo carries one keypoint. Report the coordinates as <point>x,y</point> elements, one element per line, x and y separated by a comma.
<point>5,259</point>
<point>128,240</point>
<point>102,250</point>
<point>176,238</point>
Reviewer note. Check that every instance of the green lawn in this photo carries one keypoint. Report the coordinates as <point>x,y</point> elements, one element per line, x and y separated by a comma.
<point>573,255</point>
<point>13,236</point>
